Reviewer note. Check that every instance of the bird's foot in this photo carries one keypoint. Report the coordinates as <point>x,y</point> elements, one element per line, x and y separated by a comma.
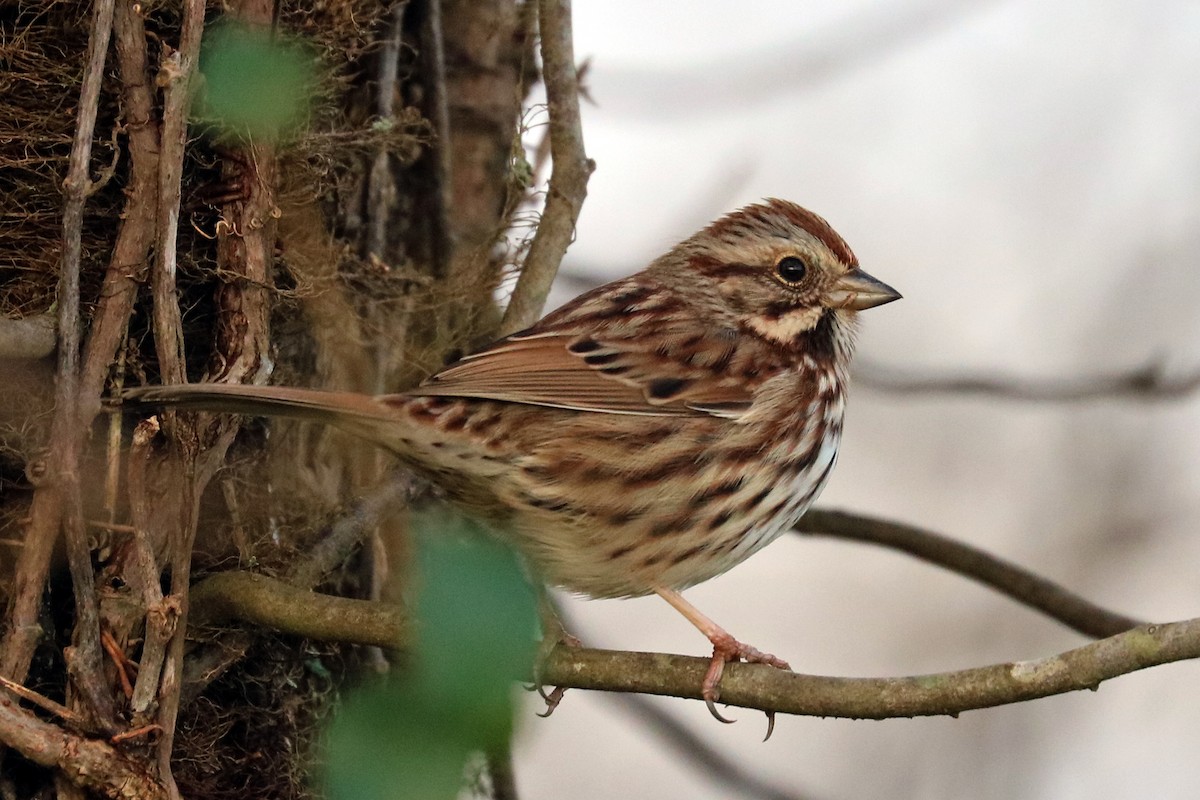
<point>547,646</point>
<point>727,649</point>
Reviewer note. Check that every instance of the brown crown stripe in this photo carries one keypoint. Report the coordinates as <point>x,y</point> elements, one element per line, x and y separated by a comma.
<point>759,216</point>
<point>819,228</point>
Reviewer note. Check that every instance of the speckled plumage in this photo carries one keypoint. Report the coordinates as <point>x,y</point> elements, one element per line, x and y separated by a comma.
<point>651,433</point>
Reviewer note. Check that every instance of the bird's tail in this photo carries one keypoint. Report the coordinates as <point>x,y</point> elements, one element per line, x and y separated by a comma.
<point>380,420</point>
<point>343,409</point>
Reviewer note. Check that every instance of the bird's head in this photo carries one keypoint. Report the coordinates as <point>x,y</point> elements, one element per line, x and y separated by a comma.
<point>778,271</point>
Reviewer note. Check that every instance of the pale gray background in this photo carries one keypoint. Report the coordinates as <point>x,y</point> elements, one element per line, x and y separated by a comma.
<point>1028,175</point>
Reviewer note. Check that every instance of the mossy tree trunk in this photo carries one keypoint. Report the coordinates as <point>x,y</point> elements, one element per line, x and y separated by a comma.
<point>361,253</point>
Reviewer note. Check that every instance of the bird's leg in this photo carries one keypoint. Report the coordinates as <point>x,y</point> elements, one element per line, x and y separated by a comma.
<point>725,649</point>
<point>554,633</point>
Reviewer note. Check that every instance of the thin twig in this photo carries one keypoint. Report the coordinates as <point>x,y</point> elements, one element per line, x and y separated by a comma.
<point>350,529</point>
<point>46,704</point>
<point>381,188</point>
<point>176,71</point>
<point>438,112</point>
<point>343,538</point>
<point>93,764</point>
<point>1150,382</point>
<point>568,177</point>
<point>130,254</point>
<point>1015,582</point>
<point>66,435</point>
<point>46,515</point>
<point>500,769</point>
<point>142,576</point>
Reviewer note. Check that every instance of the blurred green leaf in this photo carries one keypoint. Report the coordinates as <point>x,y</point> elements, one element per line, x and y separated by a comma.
<point>477,621</point>
<point>254,83</point>
<point>381,749</point>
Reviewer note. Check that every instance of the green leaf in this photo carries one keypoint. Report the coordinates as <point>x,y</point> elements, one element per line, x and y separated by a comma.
<point>381,749</point>
<point>477,621</point>
<point>254,83</point>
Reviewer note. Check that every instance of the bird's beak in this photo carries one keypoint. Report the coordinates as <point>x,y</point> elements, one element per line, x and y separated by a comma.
<point>857,290</point>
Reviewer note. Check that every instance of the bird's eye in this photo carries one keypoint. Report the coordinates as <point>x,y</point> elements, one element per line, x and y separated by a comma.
<point>791,269</point>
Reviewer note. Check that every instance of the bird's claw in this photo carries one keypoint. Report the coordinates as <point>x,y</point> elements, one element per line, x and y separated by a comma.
<point>711,702</point>
<point>555,695</point>
<point>725,650</point>
<point>553,698</point>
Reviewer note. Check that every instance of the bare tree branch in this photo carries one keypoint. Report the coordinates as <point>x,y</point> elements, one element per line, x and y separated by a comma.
<point>1008,579</point>
<point>1134,645</point>
<point>176,73</point>
<point>433,53</point>
<point>381,184</point>
<point>500,769</point>
<point>93,764</point>
<point>344,536</point>
<point>1150,382</point>
<point>127,266</point>
<point>280,606</point>
<point>764,688</point>
<point>58,503</point>
<point>568,177</point>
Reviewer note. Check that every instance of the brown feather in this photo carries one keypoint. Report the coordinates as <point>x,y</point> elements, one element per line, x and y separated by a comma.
<point>612,367</point>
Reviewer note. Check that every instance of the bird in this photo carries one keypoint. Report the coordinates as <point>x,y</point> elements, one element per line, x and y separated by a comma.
<point>650,434</point>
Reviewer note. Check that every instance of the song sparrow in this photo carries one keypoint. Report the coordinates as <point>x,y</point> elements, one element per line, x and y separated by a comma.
<point>648,435</point>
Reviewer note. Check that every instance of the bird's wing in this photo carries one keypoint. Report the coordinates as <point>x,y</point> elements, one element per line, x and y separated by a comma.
<point>661,364</point>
